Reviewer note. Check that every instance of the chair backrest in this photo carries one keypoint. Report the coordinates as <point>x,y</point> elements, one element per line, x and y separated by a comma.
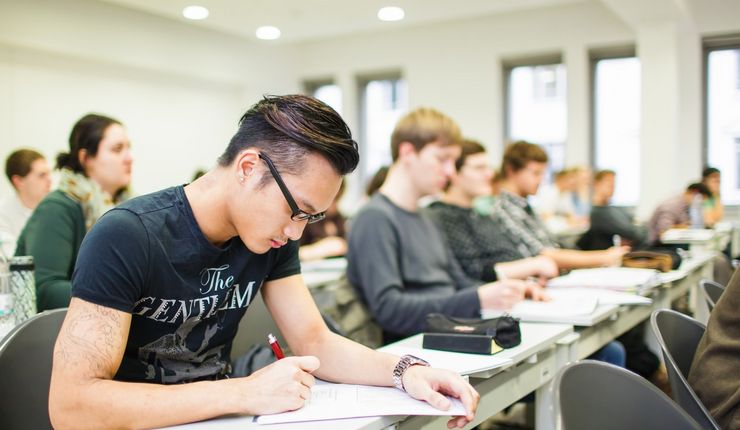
<point>712,292</point>
<point>596,395</point>
<point>25,371</point>
<point>679,336</point>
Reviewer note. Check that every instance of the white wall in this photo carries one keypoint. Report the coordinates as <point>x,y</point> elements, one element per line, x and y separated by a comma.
<point>179,89</point>
<point>456,67</point>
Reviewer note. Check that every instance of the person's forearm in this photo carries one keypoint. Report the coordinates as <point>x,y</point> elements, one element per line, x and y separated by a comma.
<point>574,259</point>
<point>350,362</point>
<point>518,269</point>
<point>103,404</point>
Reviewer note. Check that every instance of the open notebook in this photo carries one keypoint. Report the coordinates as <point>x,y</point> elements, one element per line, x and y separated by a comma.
<point>679,235</point>
<point>335,401</point>
<point>611,278</point>
<point>577,306</point>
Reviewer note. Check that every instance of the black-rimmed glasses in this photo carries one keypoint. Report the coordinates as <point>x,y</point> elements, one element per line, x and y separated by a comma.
<point>297,213</point>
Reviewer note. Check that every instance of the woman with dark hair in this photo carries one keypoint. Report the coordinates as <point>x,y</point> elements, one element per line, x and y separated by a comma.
<point>94,176</point>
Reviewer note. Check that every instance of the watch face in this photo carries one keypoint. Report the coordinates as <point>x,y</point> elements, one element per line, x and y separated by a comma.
<point>416,360</point>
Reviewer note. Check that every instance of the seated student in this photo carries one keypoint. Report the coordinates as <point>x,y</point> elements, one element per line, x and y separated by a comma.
<point>29,174</point>
<point>608,221</point>
<point>713,209</point>
<point>93,175</point>
<point>398,260</point>
<point>476,241</point>
<point>523,166</point>
<point>555,203</point>
<point>582,192</point>
<point>162,282</point>
<point>714,372</point>
<point>326,238</point>
<point>674,212</point>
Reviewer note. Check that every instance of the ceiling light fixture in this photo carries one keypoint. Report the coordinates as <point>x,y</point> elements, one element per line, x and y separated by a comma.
<point>268,32</point>
<point>195,12</point>
<point>391,13</point>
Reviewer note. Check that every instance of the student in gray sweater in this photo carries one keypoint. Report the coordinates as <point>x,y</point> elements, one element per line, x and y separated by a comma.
<point>397,259</point>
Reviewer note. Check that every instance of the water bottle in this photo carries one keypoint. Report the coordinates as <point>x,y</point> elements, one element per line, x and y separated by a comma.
<point>696,214</point>
<point>7,316</point>
<point>23,287</point>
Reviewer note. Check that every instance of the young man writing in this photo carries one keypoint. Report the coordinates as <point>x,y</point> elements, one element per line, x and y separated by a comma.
<point>162,281</point>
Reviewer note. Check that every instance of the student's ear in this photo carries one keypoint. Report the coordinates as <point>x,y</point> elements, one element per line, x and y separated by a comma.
<point>82,157</point>
<point>405,150</point>
<point>16,181</point>
<point>246,163</point>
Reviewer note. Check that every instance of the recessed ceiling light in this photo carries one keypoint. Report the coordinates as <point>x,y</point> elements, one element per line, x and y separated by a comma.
<point>391,13</point>
<point>268,32</point>
<point>195,12</point>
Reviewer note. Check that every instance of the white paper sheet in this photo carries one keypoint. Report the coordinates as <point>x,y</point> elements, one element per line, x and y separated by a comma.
<point>335,401</point>
<point>602,296</point>
<point>613,278</point>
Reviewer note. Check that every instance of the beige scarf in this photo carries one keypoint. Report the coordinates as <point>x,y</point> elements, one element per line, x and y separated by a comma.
<point>94,201</point>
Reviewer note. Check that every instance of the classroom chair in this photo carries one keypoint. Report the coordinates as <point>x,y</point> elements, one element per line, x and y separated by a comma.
<point>25,371</point>
<point>596,395</point>
<point>679,336</point>
<point>711,291</point>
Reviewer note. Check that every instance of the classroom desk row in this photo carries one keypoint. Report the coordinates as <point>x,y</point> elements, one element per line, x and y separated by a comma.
<point>545,349</point>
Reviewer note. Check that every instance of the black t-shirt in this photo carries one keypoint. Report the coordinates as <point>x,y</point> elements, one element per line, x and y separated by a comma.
<point>149,258</point>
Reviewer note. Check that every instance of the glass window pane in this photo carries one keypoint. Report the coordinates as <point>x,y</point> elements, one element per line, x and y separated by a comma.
<point>383,103</point>
<point>330,94</point>
<point>537,110</point>
<point>723,126</point>
<point>617,125</point>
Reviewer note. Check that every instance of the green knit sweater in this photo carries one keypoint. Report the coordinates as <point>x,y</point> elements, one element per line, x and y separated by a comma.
<point>53,236</point>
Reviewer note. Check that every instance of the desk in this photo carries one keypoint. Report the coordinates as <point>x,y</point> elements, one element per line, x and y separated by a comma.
<point>545,349</point>
<point>534,363</point>
<point>699,239</point>
<point>234,423</point>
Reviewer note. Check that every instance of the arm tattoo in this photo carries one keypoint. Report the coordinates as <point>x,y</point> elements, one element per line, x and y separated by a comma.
<point>89,341</point>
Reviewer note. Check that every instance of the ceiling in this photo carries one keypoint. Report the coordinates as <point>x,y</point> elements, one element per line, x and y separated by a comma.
<point>301,20</point>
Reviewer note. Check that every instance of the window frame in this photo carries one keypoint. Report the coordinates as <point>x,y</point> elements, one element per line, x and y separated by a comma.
<point>709,45</point>
<point>362,80</point>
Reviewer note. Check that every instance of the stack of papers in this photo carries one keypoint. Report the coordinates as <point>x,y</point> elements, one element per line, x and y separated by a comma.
<point>577,306</point>
<point>683,235</point>
<point>334,401</point>
<point>613,278</point>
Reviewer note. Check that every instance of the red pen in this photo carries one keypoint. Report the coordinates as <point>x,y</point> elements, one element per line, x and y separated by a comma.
<point>275,346</point>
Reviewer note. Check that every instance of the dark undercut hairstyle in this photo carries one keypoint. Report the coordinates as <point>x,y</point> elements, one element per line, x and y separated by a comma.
<point>287,128</point>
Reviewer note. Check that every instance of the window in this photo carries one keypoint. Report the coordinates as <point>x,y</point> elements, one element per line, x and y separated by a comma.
<point>617,124</point>
<point>536,108</point>
<point>326,91</point>
<point>723,111</point>
<point>384,100</point>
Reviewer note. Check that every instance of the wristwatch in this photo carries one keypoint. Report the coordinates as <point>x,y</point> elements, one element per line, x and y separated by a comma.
<point>403,364</point>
